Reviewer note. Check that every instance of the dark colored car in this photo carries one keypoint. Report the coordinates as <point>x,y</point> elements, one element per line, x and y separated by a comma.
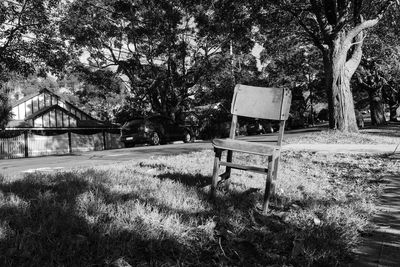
<point>156,130</point>
<point>261,127</point>
<point>255,127</point>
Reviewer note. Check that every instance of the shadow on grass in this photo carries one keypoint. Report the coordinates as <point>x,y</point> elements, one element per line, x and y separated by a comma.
<point>197,180</point>
<point>41,226</point>
<point>349,169</point>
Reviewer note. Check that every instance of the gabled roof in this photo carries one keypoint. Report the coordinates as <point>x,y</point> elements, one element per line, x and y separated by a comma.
<point>26,98</point>
<point>44,90</point>
<point>47,109</point>
<point>18,124</point>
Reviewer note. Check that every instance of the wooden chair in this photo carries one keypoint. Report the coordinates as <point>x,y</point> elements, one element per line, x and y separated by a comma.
<point>255,102</point>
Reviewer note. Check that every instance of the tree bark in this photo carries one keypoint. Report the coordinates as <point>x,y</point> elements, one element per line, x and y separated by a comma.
<point>338,72</point>
<point>393,111</point>
<point>342,51</point>
<point>392,98</point>
<point>376,106</point>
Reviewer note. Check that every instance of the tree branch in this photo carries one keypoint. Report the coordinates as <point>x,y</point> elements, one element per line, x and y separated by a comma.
<point>324,26</point>
<point>352,64</point>
<point>368,23</point>
<point>309,32</point>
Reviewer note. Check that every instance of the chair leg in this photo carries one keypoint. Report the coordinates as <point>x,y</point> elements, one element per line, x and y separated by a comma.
<point>228,159</point>
<point>269,184</point>
<point>227,174</point>
<point>214,182</point>
<point>277,159</point>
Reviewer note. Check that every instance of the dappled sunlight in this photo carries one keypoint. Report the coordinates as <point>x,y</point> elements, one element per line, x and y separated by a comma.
<point>12,201</point>
<point>158,212</point>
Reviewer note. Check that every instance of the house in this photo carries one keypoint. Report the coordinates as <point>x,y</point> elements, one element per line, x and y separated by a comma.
<point>46,124</point>
<point>45,110</point>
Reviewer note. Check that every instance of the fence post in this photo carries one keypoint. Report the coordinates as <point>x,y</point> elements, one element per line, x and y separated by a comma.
<point>69,142</point>
<point>26,144</point>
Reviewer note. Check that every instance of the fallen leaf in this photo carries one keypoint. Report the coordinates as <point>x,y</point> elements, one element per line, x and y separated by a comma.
<point>317,221</point>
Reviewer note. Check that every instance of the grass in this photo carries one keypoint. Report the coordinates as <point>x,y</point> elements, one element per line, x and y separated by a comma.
<point>384,135</point>
<point>157,212</point>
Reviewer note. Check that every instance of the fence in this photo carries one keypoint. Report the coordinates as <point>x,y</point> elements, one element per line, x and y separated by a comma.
<point>32,145</point>
<point>13,147</point>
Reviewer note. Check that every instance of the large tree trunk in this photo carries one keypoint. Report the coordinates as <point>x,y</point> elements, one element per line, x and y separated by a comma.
<point>393,111</point>
<point>391,96</point>
<point>376,106</point>
<point>328,72</point>
<point>338,72</point>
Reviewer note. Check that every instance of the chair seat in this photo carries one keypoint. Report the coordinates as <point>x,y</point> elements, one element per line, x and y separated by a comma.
<point>244,146</point>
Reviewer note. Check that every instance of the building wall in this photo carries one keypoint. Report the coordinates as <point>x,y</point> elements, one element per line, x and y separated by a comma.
<point>55,118</point>
<point>33,145</point>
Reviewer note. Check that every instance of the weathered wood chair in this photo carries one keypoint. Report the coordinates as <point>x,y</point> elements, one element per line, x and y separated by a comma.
<point>255,102</point>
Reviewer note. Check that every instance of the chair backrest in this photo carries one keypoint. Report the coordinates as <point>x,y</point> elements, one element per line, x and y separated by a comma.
<point>261,102</point>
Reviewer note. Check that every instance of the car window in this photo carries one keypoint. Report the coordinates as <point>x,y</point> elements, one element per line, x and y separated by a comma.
<point>161,120</point>
<point>133,123</point>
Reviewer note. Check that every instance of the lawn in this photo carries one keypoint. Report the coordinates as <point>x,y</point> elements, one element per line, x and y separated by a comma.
<point>157,212</point>
<point>387,134</point>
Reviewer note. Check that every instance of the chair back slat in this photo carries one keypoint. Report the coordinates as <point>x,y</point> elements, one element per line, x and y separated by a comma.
<point>261,102</point>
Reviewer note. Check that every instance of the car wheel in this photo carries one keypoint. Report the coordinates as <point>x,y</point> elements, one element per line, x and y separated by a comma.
<point>187,138</point>
<point>155,139</point>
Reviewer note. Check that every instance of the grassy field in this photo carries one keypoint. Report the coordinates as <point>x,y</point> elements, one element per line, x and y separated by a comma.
<point>387,134</point>
<point>157,212</point>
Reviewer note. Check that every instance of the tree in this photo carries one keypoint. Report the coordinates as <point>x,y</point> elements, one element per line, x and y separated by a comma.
<point>371,79</point>
<point>101,93</point>
<point>27,33</point>
<point>381,48</point>
<point>164,48</point>
<point>5,110</point>
<point>149,42</point>
<point>337,28</point>
<point>27,41</point>
<point>297,67</point>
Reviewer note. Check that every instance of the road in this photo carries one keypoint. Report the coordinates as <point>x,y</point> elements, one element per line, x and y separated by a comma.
<point>105,157</point>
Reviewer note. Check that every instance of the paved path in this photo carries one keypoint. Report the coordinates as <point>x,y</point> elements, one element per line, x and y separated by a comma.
<point>52,163</point>
<point>382,247</point>
<point>17,167</point>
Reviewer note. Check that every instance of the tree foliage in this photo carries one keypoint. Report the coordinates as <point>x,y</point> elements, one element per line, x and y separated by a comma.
<point>28,40</point>
<point>149,42</point>
<point>165,48</point>
<point>382,50</point>
<point>28,30</point>
<point>99,92</point>
<point>337,29</point>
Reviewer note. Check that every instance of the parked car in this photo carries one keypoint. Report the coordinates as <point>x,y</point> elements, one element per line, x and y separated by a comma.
<point>261,127</point>
<point>156,130</point>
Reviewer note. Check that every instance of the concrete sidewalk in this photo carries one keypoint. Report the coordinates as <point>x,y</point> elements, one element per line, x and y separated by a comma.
<point>382,247</point>
<point>343,148</point>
